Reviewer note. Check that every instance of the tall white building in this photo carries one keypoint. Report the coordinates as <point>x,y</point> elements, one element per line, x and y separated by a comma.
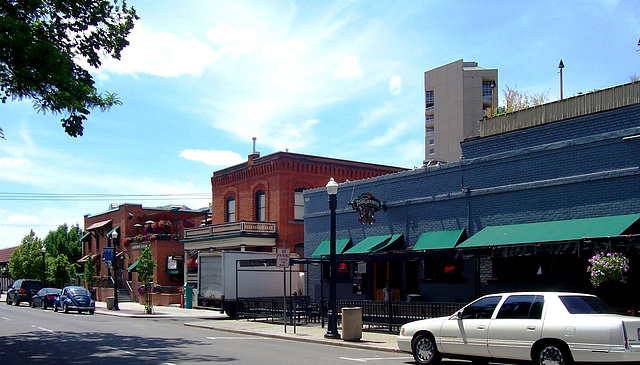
<point>457,96</point>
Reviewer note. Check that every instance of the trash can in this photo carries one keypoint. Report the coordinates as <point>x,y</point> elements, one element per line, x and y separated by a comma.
<point>352,324</point>
<point>110,302</point>
<point>187,291</point>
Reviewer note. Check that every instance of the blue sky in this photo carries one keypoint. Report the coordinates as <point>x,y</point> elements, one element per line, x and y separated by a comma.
<point>341,79</point>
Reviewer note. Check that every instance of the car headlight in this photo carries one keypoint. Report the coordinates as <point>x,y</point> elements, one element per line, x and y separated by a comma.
<point>402,331</point>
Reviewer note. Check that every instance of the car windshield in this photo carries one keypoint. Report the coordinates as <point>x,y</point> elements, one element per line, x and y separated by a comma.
<point>52,291</point>
<point>28,285</point>
<point>583,304</point>
<point>79,291</point>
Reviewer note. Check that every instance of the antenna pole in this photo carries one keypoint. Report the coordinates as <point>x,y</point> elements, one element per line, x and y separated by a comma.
<point>561,66</point>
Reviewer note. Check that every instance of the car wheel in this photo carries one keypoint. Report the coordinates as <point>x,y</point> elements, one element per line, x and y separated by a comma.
<point>424,350</point>
<point>65,307</point>
<point>43,305</point>
<point>16,303</point>
<point>55,308</point>
<point>9,302</point>
<point>91,312</point>
<point>32,304</point>
<point>553,354</point>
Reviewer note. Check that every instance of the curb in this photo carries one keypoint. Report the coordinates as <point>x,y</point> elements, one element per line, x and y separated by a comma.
<point>340,343</point>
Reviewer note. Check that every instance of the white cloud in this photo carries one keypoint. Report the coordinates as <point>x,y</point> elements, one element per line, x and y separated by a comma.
<point>212,157</point>
<point>234,42</point>
<point>161,54</point>
<point>349,68</point>
<point>23,219</point>
<point>395,85</point>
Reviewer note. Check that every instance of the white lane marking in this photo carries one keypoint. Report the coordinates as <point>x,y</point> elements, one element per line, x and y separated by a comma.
<point>367,359</point>
<point>235,338</point>
<point>45,329</point>
<point>5,318</point>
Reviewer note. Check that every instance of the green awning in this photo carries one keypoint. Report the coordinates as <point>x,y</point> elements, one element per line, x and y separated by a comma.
<point>437,240</point>
<point>173,272</point>
<point>111,231</point>
<point>132,267</point>
<point>84,236</point>
<point>373,244</point>
<point>555,231</point>
<point>325,246</point>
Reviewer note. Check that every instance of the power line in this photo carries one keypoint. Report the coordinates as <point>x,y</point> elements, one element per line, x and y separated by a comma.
<point>99,196</point>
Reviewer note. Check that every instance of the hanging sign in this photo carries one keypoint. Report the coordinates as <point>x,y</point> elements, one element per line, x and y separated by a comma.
<point>366,205</point>
<point>108,253</point>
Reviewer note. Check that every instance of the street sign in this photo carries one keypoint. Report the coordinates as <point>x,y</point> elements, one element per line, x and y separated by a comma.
<point>109,254</point>
<point>282,259</point>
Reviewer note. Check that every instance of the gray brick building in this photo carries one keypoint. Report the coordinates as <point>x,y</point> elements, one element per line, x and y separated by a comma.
<point>564,161</point>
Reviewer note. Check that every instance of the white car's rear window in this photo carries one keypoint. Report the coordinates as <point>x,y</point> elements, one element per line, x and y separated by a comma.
<point>583,304</point>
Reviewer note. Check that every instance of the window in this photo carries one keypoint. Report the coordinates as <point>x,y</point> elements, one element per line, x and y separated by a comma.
<point>432,151</point>
<point>260,206</point>
<point>582,304</point>
<point>428,97</point>
<point>487,90</point>
<point>481,308</point>
<point>298,209</point>
<point>521,307</point>
<point>432,142</point>
<point>231,209</point>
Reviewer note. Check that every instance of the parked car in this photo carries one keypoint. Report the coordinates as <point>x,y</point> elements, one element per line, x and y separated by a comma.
<point>45,298</point>
<point>546,327</point>
<point>22,290</point>
<point>75,298</point>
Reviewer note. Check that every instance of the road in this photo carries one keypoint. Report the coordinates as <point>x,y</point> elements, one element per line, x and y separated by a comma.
<point>41,336</point>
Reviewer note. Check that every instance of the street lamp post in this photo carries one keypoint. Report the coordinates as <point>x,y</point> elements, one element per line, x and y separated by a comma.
<point>332,325</point>
<point>114,238</point>
<point>44,275</point>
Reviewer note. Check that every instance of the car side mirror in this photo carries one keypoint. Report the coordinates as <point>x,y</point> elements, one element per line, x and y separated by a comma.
<point>457,315</point>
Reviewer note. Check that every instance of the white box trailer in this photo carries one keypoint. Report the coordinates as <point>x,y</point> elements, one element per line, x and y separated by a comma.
<point>256,276</point>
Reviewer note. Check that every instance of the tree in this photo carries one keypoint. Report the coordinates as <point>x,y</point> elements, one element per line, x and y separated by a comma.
<point>90,272</point>
<point>145,267</point>
<point>60,270</point>
<point>43,44</point>
<point>26,260</point>
<point>632,78</point>
<point>64,241</point>
<point>516,100</point>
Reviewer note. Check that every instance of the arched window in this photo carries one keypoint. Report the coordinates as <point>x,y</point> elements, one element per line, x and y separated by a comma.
<point>231,209</point>
<point>298,209</point>
<point>261,212</point>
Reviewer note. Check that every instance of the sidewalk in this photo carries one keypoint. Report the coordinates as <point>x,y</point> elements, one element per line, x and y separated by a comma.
<point>214,320</point>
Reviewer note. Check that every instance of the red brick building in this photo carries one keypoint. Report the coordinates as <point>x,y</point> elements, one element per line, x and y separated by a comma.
<point>130,228</point>
<point>258,205</point>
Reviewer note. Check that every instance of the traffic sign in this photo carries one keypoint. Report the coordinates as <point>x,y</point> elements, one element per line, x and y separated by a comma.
<point>282,259</point>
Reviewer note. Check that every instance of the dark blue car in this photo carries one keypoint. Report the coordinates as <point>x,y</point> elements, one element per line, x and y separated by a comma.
<point>75,298</point>
<point>45,298</point>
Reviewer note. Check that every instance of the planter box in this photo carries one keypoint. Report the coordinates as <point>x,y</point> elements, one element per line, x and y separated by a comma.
<point>160,299</point>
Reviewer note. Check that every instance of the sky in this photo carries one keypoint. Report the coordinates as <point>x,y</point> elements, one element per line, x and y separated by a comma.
<point>339,79</point>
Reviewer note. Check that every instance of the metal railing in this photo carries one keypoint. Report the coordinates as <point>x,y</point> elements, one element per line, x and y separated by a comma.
<point>223,229</point>
<point>375,314</point>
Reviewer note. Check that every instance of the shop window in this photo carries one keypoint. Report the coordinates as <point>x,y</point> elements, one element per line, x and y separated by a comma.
<point>442,271</point>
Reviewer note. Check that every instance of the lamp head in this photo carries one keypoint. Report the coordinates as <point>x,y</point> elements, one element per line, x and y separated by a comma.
<point>332,187</point>
<point>43,250</point>
<point>114,235</point>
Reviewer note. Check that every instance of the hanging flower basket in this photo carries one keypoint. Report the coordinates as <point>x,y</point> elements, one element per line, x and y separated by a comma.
<point>608,267</point>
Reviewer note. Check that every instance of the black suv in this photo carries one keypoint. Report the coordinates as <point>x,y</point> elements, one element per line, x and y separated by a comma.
<point>22,290</point>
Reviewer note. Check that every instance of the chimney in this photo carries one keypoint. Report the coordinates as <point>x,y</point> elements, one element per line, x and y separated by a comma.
<point>255,154</point>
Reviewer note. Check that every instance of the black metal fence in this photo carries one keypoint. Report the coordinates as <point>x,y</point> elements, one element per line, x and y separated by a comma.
<point>375,314</point>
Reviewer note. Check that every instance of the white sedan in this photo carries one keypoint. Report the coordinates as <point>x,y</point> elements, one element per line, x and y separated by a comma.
<point>547,327</point>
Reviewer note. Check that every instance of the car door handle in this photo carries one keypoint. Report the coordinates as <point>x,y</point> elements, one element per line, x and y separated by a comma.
<point>481,327</point>
<point>531,328</point>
